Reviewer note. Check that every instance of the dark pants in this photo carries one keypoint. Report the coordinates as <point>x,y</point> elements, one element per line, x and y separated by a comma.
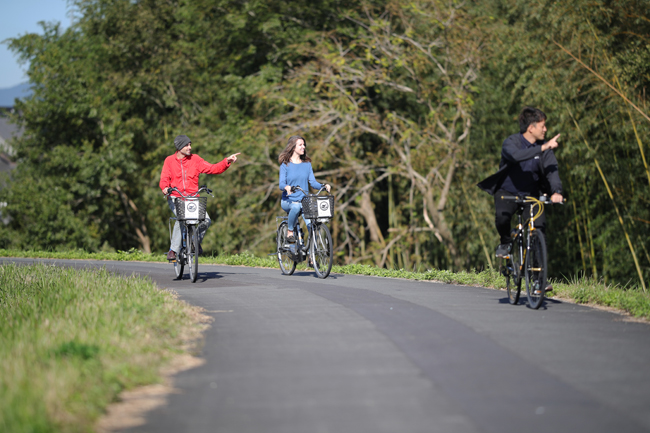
<point>505,209</point>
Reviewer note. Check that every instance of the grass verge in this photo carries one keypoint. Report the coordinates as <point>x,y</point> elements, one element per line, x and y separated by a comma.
<point>71,340</point>
<point>582,290</point>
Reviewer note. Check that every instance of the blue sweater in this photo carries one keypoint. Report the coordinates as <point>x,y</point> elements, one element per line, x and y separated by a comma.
<point>301,175</point>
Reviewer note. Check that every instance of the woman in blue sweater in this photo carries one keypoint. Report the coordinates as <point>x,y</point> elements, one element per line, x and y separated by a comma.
<point>295,170</point>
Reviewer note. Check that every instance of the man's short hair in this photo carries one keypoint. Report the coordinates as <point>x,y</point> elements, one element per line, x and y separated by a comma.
<point>528,116</point>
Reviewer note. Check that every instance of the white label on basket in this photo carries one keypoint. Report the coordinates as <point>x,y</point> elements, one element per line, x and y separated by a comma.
<point>324,210</point>
<point>191,210</point>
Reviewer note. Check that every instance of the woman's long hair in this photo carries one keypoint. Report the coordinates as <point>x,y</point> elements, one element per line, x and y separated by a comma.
<point>287,153</point>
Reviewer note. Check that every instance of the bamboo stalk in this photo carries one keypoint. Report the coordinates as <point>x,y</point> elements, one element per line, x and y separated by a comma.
<point>638,140</point>
<point>480,235</point>
<point>647,256</point>
<point>620,93</point>
<point>602,79</point>
<point>582,250</point>
<point>611,196</point>
<point>590,238</point>
<point>620,219</point>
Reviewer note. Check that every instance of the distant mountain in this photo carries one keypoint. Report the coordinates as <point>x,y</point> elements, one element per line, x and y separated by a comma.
<point>8,94</point>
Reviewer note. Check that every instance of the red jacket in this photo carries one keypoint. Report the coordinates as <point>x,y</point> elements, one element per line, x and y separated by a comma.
<point>184,173</point>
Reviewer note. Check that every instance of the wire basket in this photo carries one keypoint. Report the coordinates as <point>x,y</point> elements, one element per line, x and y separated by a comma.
<point>318,206</point>
<point>191,208</point>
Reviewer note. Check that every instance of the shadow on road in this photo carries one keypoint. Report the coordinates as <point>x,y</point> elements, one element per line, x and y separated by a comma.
<point>523,301</point>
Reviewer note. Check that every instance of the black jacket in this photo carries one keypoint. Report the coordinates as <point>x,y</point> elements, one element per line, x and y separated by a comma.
<point>515,151</point>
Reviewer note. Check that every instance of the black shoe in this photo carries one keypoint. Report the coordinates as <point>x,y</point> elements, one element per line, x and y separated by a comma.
<point>503,251</point>
<point>291,239</point>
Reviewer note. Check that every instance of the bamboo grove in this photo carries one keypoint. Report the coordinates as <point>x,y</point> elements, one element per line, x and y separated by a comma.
<point>403,104</point>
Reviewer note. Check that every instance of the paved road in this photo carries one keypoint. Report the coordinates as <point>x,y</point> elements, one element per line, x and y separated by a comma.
<point>362,354</point>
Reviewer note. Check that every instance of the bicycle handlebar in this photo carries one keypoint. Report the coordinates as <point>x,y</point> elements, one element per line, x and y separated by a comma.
<point>521,200</point>
<point>201,189</point>
<point>294,188</point>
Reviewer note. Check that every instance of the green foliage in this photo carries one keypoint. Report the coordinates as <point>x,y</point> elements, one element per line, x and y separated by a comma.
<point>404,106</point>
<point>582,63</point>
<point>71,340</point>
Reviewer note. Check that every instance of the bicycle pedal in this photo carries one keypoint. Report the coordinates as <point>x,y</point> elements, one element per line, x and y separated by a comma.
<point>172,261</point>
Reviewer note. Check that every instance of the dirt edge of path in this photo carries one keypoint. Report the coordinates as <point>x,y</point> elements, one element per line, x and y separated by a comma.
<point>133,405</point>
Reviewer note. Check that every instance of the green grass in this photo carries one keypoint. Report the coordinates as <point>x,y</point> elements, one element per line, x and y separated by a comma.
<point>71,340</point>
<point>631,300</point>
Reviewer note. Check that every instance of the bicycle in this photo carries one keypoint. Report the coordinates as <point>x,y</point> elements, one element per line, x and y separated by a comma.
<point>190,213</point>
<point>531,260</point>
<point>319,209</point>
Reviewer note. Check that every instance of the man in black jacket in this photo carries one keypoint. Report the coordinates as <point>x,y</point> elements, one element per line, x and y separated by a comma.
<point>528,167</point>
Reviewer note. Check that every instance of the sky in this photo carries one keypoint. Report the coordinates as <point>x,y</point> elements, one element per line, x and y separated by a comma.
<point>18,17</point>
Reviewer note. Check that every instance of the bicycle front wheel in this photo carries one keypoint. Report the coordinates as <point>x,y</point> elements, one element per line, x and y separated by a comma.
<point>536,269</point>
<point>322,254</point>
<point>287,265</point>
<point>513,271</point>
<point>193,256</point>
<point>179,264</point>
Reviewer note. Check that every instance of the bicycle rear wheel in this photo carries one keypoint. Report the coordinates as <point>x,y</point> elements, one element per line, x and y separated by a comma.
<point>193,252</point>
<point>512,271</point>
<point>536,269</point>
<point>321,250</point>
<point>287,265</point>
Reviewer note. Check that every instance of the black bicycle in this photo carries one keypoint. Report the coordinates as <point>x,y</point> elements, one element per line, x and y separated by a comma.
<point>527,257</point>
<point>190,214</point>
<point>318,248</point>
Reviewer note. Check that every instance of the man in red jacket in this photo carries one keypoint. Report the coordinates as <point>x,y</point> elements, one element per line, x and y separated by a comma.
<point>182,170</point>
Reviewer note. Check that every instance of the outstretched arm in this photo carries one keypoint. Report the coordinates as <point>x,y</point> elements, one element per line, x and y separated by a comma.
<point>512,151</point>
<point>219,167</point>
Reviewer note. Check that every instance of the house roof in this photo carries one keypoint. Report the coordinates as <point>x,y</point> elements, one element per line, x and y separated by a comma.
<point>7,131</point>
<point>5,163</point>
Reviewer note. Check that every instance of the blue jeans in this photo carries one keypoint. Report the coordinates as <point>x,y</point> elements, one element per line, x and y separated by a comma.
<point>293,208</point>
<point>177,240</point>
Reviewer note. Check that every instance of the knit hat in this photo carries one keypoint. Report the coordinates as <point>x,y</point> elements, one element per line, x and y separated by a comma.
<point>181,141</point>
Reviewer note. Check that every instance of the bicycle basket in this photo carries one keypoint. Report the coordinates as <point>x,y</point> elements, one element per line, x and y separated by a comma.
<point>318,206</point>
<point>191,208</point>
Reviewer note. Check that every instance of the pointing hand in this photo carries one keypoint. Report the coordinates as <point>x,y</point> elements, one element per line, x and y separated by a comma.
<point>552,143</point>
<point>232,158</point>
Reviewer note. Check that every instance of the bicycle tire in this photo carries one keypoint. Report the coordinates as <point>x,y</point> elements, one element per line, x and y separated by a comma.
<point>179,264</point>
<point>321,250</point>
<point>193,238</point>
<point>287,265</point>
<point>513,271</point>
<point>536,269</point>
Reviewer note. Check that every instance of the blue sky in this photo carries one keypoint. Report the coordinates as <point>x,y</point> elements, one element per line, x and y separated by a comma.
<point>18,17</point>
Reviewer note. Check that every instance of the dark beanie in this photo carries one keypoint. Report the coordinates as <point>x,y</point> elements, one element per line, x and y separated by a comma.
<point>181,141</point>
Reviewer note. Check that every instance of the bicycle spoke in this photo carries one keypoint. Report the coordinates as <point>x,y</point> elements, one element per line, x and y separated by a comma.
<point>536,270</point>
<point>512,271</point>
<point>285,260</point>
<point>321,250</point>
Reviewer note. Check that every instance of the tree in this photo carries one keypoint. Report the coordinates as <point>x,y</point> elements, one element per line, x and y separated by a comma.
<point>387,97</point>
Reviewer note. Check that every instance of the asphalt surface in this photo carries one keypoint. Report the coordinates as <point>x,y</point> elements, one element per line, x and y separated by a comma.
<point>361,354</point>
